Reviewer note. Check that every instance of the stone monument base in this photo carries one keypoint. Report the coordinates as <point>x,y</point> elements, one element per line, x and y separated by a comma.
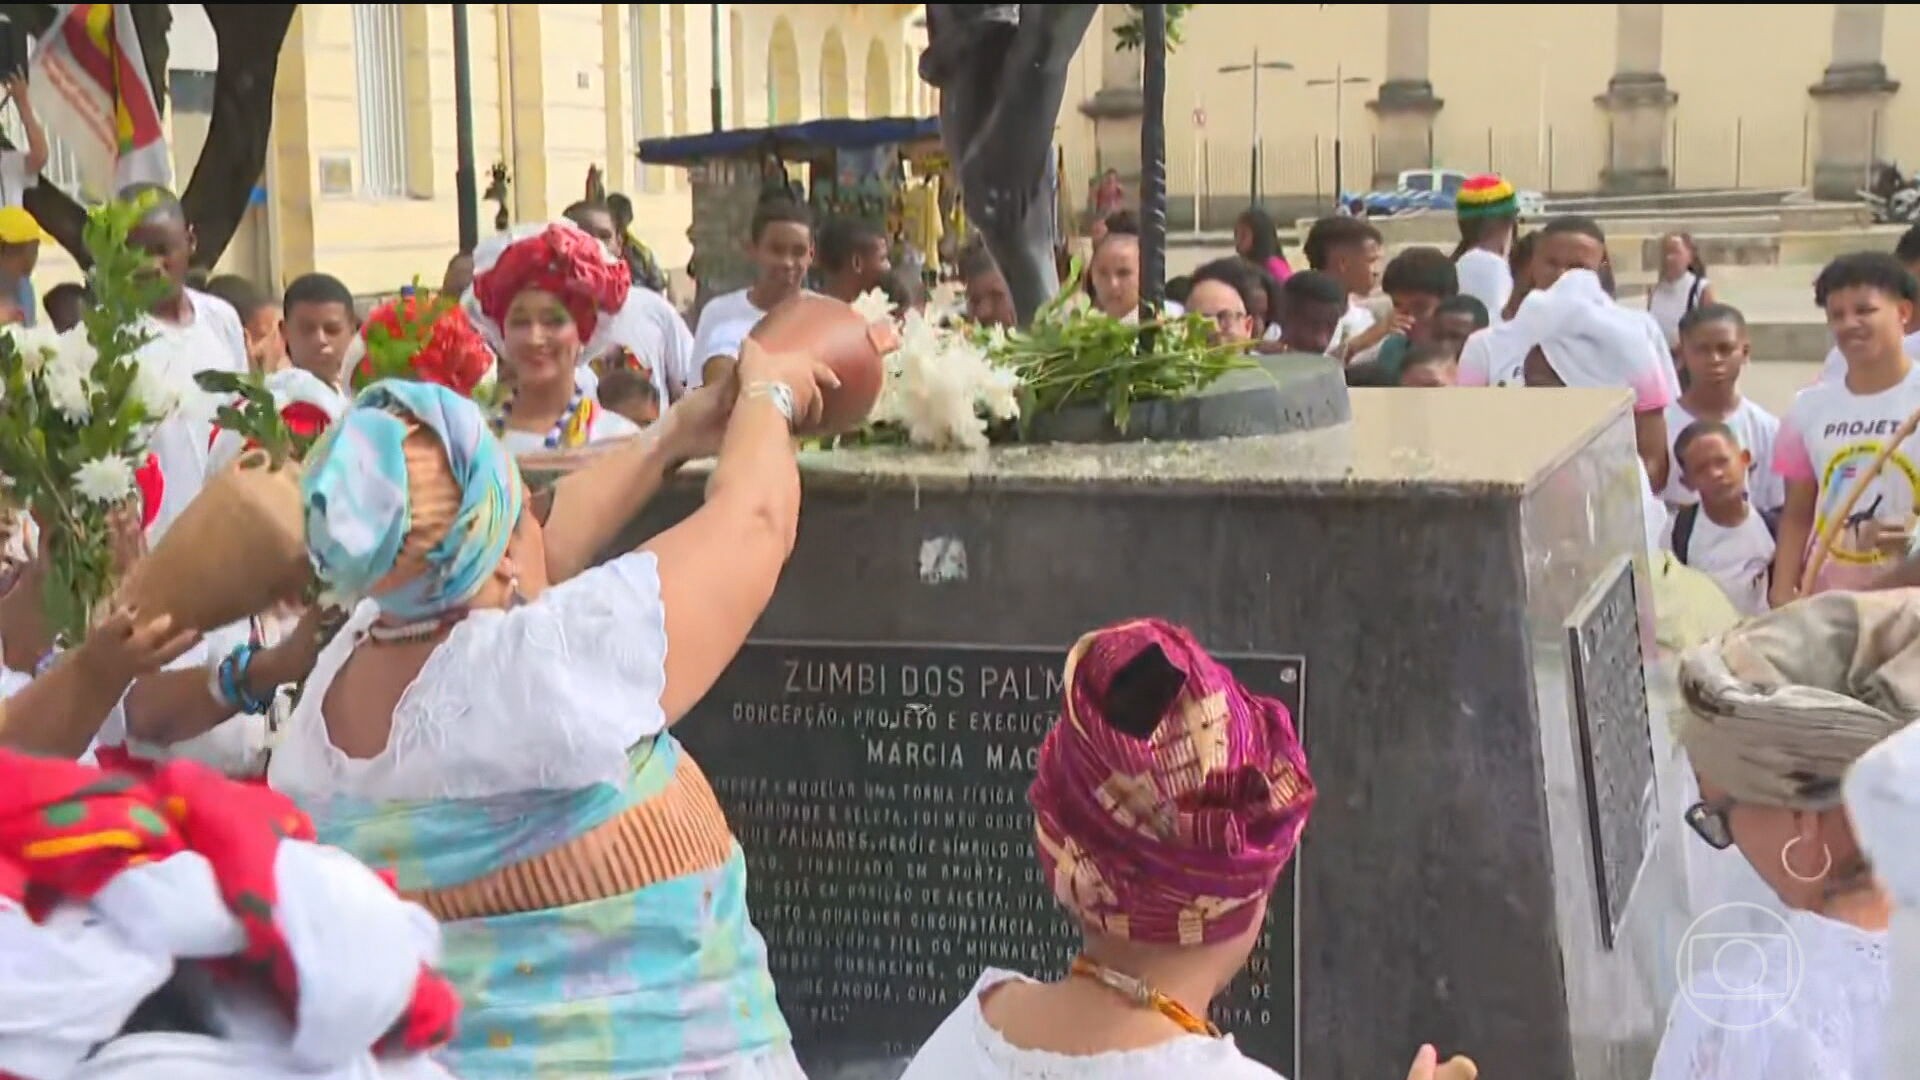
<point>1447,592</point>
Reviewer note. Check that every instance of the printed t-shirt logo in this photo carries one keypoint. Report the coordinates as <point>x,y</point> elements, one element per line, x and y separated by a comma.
<point>1890,498</point>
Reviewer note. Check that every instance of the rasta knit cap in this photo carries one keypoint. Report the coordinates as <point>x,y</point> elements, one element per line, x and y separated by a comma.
<point>1486,197</point>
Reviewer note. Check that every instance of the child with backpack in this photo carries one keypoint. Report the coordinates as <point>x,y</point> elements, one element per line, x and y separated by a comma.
<point>1723,535</point>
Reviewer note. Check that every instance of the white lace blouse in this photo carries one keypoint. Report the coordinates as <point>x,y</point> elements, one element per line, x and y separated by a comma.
<point>549,695</point>
<point>966,1047</point>
<point>1806,1002</point>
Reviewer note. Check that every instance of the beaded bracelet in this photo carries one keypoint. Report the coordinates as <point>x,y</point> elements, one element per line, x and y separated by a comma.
<point>229,683</point>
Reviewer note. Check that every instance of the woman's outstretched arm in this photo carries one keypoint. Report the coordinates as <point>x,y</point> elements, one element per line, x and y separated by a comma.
<point>719,566</point>
<point>592,505</point>
<point>59,713</point>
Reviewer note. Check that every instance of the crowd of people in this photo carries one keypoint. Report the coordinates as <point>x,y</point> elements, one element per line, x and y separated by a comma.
<point>492,722</point>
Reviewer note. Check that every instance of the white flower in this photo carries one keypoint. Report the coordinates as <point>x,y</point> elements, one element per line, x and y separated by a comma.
<point>68,377</point>
<point>105,479</point>
<point>938,383</point>
<point>36,345</point>
<point>874,306</point>
<point>154,390</point>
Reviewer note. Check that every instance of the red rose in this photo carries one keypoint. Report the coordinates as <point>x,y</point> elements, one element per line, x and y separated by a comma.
<point>305,419</point>
<point>153,487</point>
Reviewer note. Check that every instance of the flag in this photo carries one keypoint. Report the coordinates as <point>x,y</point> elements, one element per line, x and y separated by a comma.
<point>90,84</point>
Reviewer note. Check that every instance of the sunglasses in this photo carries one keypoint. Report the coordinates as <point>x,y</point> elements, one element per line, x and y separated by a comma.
<point>1709,821</point>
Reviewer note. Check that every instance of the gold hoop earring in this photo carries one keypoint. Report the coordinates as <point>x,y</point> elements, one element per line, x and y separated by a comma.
<point>1786,862</point>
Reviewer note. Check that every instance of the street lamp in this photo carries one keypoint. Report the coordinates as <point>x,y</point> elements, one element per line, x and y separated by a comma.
<point>1254,186</point>
<point>1340,81</point>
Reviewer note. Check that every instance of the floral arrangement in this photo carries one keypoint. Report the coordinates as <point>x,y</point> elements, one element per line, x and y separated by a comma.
<point>942,386</point>
<point>76,414</point>
<point>1075,356</point>
<point>425,337</point>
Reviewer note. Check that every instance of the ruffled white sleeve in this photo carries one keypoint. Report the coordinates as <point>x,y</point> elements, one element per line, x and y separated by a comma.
<point>550,695</point>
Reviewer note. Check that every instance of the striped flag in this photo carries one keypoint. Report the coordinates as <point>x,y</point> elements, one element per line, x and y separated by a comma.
<point>90,84</point>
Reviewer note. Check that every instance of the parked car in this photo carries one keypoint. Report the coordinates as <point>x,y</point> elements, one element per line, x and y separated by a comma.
<point>1429,189</point>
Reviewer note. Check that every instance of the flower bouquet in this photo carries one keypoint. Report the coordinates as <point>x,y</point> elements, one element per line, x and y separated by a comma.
<point>942,388</point>
<point>422,336</point>
<point>76,414</point>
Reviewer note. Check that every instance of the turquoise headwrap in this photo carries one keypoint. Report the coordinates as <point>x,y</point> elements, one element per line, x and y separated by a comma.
<point>358,508</point>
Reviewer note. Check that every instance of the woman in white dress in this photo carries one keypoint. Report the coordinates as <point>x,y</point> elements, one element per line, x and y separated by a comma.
<point>1777,710</point>
<point>554,305</point>
<point>504,744</point>
<point>1153,731</point>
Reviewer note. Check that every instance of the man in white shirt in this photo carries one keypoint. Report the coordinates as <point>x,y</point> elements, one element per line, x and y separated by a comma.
<point>782,249</point>
<point>192,332</point>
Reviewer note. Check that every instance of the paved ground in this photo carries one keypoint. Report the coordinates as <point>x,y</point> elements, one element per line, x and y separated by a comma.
<point>1773,385</point>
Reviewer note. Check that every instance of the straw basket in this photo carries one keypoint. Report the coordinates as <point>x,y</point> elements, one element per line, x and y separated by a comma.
<point>237,549</point>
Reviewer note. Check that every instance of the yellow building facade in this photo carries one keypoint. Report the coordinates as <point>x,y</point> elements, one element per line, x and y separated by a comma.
<point>1561,97</point>
<point>360,178</point>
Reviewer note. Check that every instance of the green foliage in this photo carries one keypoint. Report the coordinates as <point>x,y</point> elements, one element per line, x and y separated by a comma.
<point>1072,356</point>
<point>1131,34</point>
<point>43,448</point>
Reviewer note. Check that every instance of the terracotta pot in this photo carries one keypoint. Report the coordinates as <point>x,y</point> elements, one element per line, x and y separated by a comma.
<point>236,550</point>
<point>836,334</point>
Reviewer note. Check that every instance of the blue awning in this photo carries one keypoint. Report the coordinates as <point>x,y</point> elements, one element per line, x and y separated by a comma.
<point>789,140</point>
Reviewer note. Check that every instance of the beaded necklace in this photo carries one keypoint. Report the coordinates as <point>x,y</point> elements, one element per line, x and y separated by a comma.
<point>572,427</point>
<point>1144,996</point>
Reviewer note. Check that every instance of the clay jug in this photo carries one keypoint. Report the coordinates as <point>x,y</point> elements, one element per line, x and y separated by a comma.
<point>237,549</point>
<point>839,336</point>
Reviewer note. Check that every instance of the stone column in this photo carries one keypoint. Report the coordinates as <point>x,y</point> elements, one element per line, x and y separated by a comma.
<point>1638,104</point>
<point>1849,101</point>
<point>1116,107</point>
<point>1406,105</point>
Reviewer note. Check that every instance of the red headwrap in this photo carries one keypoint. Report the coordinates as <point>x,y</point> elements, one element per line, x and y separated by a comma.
<point>564,261</point>
<point>1167,797</point>
<point>68,829</point>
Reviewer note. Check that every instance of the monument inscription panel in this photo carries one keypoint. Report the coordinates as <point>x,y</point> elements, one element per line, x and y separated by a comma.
<point>879,791</point>
<point>1609,691</point>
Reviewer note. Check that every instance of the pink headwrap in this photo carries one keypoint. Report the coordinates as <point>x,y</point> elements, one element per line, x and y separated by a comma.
<point>1168,798</point>
<point>560,259</point>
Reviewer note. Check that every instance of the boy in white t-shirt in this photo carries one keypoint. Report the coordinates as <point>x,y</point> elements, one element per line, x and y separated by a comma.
<point>1722,535</point>
<point>1835,432</point>
<point>1349,250</point>
<point>192,332</point>
<point>782,249</point>
<point>1908,252</point>
<point>1715,348</point>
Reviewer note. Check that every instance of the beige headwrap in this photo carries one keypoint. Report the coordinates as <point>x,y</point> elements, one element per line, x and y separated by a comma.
<point>1780,707</point>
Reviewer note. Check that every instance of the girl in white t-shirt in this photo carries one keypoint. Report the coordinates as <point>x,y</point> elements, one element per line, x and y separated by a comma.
<point>1682,287</point>
<point>1835,432</point>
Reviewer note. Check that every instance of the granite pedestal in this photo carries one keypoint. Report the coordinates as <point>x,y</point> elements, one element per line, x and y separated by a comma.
<point>1448,591</point>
